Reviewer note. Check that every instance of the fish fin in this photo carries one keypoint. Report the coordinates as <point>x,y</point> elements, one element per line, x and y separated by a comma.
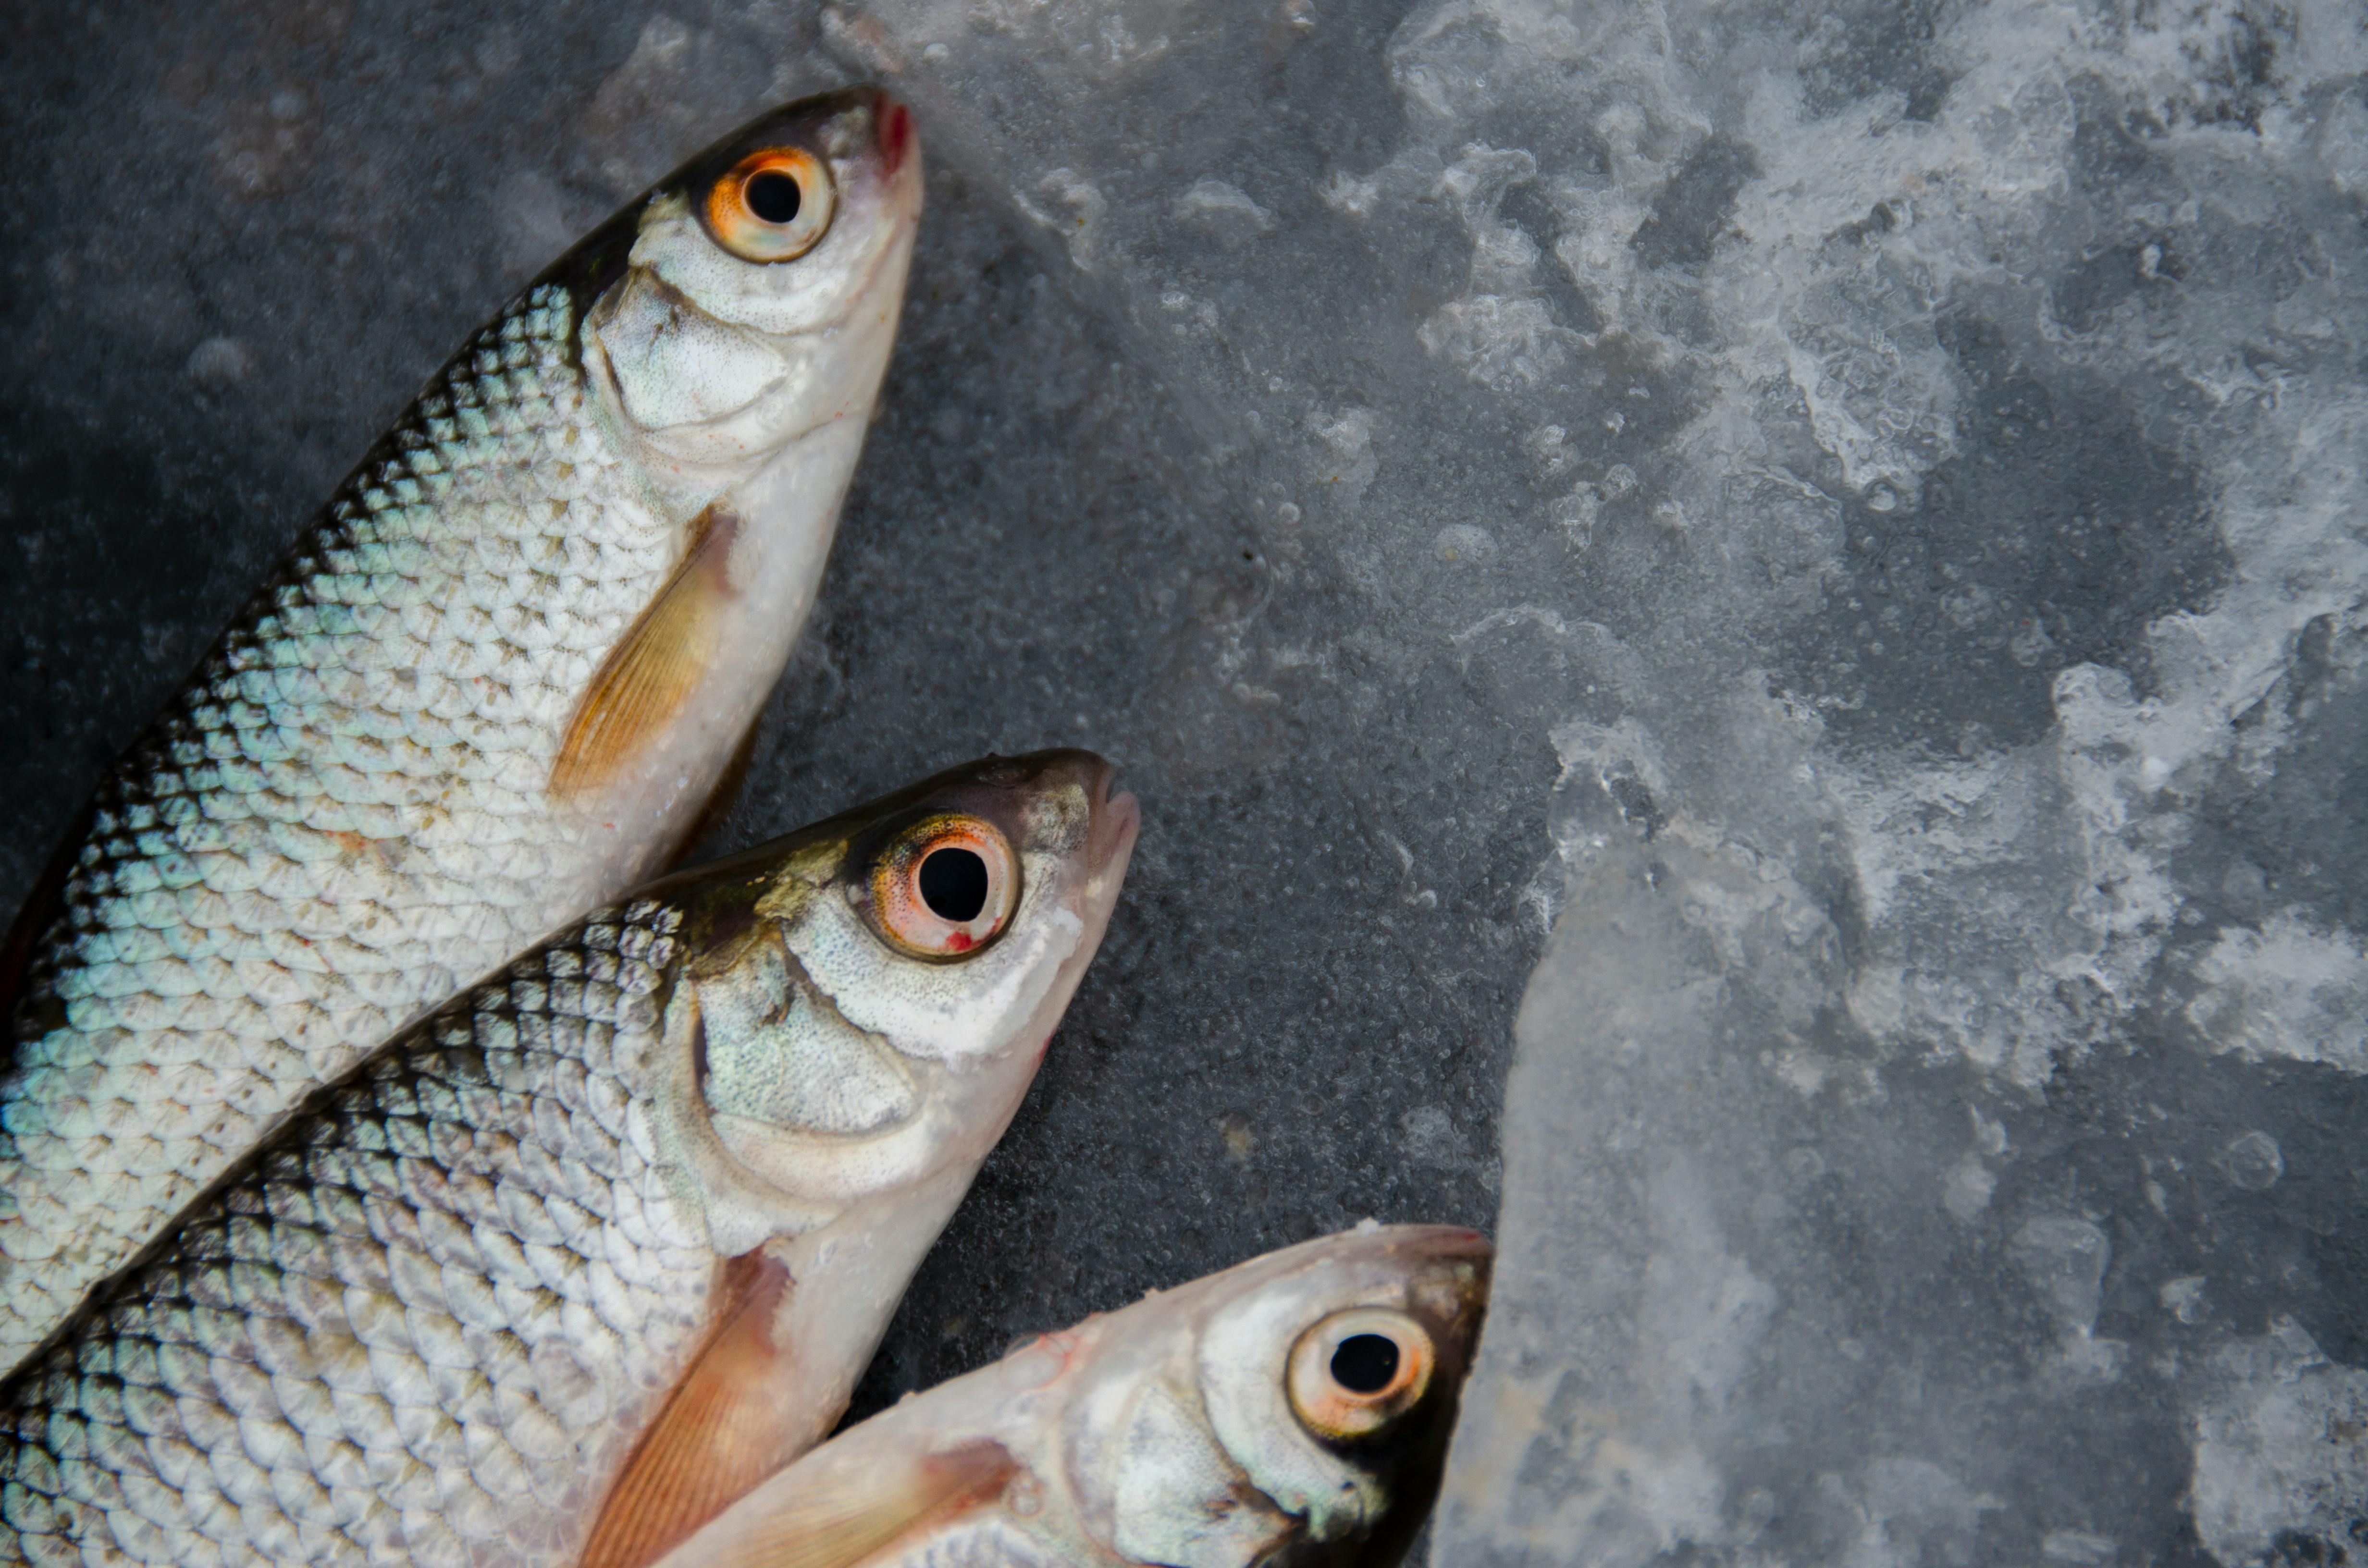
<point>838,1519</point>
<point>720,1432</point>
<point>649,674</point>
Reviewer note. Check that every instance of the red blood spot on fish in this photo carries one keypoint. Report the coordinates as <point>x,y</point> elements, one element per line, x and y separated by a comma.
<point>959,942</point>
<point>895,133</point>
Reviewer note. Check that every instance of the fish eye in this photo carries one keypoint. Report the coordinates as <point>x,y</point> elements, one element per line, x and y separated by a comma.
<point>773,205</point>
<point>1365,1363</point>
<point>1356,1372</point>
<point>945,887</point>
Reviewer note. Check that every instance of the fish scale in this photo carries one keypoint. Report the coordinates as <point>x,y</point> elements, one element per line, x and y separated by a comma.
<point>490,690</point>
<point>341,822</point>
<point>458,1277</point>
<point>1223,1424</point>
<point>521,1287</point>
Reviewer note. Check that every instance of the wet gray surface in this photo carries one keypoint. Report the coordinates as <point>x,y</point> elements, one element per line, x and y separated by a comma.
<point>236,251</point>
<point>1846,516</point>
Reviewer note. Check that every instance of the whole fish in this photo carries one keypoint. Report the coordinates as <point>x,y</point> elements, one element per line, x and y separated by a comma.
<point>1292,1410</point>
<point>492,687</point>
<point>604,1240</point>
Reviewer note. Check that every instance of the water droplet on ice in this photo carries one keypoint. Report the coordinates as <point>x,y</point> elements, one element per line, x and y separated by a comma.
<point>2254,1161</point>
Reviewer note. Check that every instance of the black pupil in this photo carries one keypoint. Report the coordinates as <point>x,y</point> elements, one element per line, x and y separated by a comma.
<point>953,884</point>
<point>1365,1363</point>
<point>772,195</point>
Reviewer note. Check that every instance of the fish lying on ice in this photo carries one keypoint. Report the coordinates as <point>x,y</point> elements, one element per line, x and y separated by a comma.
<point>1292,1410</point>
<point>583,1255</point>
<point>492,688</point>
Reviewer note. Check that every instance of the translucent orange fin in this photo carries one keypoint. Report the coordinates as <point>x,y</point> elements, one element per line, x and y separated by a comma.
<point>723,1429</point>
<point>836,1519</point>
<point>650,673</point>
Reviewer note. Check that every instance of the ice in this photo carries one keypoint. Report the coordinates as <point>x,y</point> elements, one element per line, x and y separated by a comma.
<point>1826,538</point>
<point>2277,1460</point>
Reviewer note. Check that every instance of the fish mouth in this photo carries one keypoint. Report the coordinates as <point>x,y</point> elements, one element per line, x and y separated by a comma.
<point>892,130</point>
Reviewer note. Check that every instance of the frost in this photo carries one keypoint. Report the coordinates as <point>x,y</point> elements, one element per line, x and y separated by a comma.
<point>1347,458</point>
<point>2183,1298</point>
<point>2078,1547</point>
<point>219,361</point>
<point>1461,544</point>
<point>2064,1261</point>
<point>2286,990</point>
<point>1224,212</point>
<point>1967,1187</point>
<point>2280,1460</point>
<point>1503,344</point>
<point>1068,205</point>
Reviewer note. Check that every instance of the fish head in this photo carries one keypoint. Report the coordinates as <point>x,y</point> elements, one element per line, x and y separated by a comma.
<point>956,916</point>
<point>1291,1411</point>
<point>863,1005</point>
<point>847,1019</point>
<point>1305,1420</point>
<point>758,300</point>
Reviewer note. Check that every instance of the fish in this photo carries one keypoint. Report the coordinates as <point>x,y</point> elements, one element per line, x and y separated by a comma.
<point>1294,1409</point>
<point>492,686</point>
<point>560,1270</point>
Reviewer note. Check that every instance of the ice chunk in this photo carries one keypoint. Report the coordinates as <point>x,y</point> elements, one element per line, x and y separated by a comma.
<point>2278,1458</point>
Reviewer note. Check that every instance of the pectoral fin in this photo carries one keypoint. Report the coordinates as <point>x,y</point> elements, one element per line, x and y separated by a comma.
<point>649,673</point>
<point>840,1515</point>
<point>724,1428</point>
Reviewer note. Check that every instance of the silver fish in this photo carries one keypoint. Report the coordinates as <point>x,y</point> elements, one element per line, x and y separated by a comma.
<point>492,688</point>
<point>599,1244</point>
<point>1292,1410</point>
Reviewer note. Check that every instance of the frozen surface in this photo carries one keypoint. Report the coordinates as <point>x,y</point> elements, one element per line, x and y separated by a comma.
<point>1837,524</point>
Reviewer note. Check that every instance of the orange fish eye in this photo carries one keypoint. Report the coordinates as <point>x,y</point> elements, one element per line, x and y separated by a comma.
<point>1357,1372</point>
<point>773,205</point>
<point>945,888</point>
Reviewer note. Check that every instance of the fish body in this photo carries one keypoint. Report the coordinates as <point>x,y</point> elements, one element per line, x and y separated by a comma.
<point>603,1241</point>
<point>1292,1410</point>
<point>492,688</point>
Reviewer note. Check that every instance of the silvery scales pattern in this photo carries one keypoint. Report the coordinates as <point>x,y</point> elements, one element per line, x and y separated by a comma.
<point>594,1247</point>
<point>373,790</point>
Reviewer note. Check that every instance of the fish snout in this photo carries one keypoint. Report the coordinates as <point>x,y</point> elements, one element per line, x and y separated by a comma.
<point>891,130</point>
<point>1117,818</point>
